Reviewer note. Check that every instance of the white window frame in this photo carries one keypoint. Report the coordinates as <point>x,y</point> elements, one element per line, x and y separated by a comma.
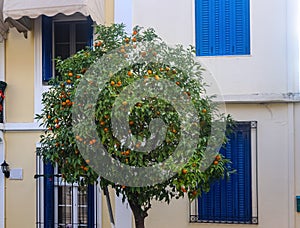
<point>74,216</point>
<point>39,87</point>
<point>193,207</point>
<point>40,196</point>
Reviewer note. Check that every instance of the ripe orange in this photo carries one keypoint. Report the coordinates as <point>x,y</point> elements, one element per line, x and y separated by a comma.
<point>138,145</point>
<point>194,193</point>
<point>127,40</point>
<point>204,110</point>
<point>129,73</point>
<point>112,83</point>
<point>122,50</point>
<point>134,32</point>
<point>149,71</point>
<point>218,157</point>
<point>216,162</point>
<point>69,81</point>
<point>133,39</point>
<point>102,123</point>
<point>77,137</point>
<point>106,129</point>
<point>131,122</point>
<point>119,83</point>
<point>49,117</point>
<point>178,83</point>
<point>184,171</point>
<point>156,77</point>
<point>56,120</point>
<point>70,74</point>
<point>63,103</point>
<point>87,161</point>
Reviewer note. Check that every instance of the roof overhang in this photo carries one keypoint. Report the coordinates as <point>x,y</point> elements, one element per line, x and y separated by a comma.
<point>16,13</point>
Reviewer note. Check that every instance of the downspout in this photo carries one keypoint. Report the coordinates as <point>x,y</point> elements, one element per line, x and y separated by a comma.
<point>109,207</point>
<point>2,149</point>
<point>292,63</point>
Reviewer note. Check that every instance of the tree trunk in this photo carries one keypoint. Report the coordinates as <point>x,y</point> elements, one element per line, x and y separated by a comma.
<point>138,213</point>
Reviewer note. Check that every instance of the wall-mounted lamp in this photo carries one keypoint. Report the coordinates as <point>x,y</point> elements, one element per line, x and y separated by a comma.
<point>5,169</point>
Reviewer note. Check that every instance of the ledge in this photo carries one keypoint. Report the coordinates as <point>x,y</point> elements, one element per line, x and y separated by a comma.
<point>260,98</point>
<point>34,126</point>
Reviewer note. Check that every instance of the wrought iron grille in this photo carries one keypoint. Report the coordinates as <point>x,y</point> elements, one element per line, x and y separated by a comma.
<point>234,201</point>
<point>63,205</point>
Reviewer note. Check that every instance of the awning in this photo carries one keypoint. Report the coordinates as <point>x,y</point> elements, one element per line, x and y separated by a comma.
<point>17,12</point>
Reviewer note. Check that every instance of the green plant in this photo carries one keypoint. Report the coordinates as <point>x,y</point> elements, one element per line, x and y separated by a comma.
<point>59,144</point>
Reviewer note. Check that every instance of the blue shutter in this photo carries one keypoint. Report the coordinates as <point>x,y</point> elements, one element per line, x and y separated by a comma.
<point>242,27</point>
<point>203,37</point>
<point>48,195</point>
<point>47,48</point>
<point>231,200</point>
<point>91,206</point>
<point>91,32</point>
<point>222,27</point>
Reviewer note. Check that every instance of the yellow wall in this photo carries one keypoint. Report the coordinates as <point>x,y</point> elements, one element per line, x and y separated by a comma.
<point>20,194</point>
<point>19,97</point>
<point>109,11</point>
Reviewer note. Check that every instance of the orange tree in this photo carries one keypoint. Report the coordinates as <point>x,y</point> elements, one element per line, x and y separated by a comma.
<point>168,137</point>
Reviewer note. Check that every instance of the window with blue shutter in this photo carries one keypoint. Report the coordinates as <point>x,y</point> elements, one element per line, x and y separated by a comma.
<point>222,27</point>
<point>63,37</point>
<point>233,200</point>
<point>60,204</point>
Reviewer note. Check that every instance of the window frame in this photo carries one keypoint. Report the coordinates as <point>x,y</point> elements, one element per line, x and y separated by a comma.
<point>43,172</point>
<point>208,47</point>
<point>39,86</point>
<point>193,207</point>
<point>48,36</point>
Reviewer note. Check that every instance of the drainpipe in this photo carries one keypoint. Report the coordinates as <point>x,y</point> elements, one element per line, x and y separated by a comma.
<point>292,62</point>
<point>2,149</point>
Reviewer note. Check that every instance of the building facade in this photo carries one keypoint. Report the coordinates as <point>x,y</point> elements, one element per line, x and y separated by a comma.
<point>259,84</point>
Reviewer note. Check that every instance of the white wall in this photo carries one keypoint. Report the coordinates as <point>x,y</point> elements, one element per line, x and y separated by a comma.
<point>273,173</point>
<point>272,68</point>
<point>264,71</point>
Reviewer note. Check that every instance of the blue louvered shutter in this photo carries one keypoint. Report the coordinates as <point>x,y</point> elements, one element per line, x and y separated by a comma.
<point>47,48</point>
<point>231,200</point>
<point>91,206</point>
<point>222,27</point>
<point>48,195</point>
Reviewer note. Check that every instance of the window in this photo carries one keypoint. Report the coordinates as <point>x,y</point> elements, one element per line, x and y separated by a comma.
<point>222,27</point>
<point>233,200</point>
<point>60,204</point>
<point>63,36</point>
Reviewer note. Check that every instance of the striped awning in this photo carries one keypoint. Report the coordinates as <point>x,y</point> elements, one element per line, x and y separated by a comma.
<point>17,13</point>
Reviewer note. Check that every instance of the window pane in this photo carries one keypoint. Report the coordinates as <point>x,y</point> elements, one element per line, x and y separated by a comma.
<point>82,206</point>
<point>64,205</point>
<point>82,35</point>
<point>82,31</point>
<point>61,40</point>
